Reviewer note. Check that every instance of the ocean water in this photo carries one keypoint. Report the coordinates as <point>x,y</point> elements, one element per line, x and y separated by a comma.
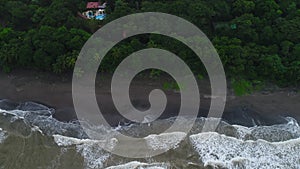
<point>30,138</point>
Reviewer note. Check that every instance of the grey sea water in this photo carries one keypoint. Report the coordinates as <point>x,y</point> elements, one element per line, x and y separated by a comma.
<point>30,138</point>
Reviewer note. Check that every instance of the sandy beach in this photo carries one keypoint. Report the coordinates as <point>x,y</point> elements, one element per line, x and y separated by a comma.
<point>55,91</point>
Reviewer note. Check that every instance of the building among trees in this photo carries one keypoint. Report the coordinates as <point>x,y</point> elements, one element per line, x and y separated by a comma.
<point>95,11</point>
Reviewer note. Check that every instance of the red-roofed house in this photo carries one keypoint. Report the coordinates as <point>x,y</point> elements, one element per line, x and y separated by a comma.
<point>92,5</point>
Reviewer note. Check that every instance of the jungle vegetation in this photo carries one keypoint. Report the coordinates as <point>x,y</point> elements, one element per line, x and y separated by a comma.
<point>258,40</point>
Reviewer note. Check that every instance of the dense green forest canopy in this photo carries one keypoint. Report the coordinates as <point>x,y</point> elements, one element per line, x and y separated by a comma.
<point>257,40</point>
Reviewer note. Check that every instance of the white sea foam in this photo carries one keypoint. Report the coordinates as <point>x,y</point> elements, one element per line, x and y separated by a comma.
<point>214,149</point>
<point>3,135</point>
<point>242,131</point>
<point>139,165</point>
<point>165,141</point>
<point>19,114</point>
<point>227,152</point>
<point>274,133</point>
<point>95,156</point>
<point>91,150</point>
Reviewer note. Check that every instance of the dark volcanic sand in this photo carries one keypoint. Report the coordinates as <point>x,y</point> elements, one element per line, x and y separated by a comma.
<point>55,91</point>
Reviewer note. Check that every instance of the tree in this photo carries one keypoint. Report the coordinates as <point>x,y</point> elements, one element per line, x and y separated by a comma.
<point>286,47</point>
<point>122,8</point>
<point>293,73</point>
<point>267,35</point>
<point>230,52</point>
<point>201,14</point>
<point>19,14</point>
<point>289,30</point>
<point>243,6</point>
<point>295,55</point>
<point>272,68</point>
<point>268,9</point>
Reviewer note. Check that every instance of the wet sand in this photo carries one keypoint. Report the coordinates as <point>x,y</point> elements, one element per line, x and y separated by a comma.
<point>265,107</point>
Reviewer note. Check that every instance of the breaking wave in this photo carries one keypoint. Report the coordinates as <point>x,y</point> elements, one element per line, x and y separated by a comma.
<point>220,151</point>
<point>32,138</point>
<point>139,165</point>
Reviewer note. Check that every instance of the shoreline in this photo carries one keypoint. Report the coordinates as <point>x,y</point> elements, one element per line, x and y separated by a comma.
<point>56,91</point>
